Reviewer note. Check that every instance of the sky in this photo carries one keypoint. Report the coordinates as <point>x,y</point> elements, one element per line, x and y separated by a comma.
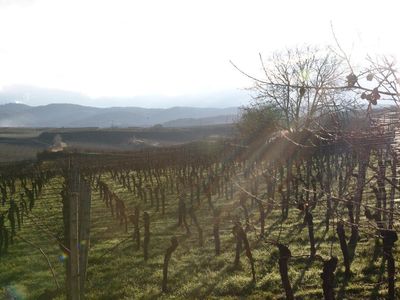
<point>172,49</point>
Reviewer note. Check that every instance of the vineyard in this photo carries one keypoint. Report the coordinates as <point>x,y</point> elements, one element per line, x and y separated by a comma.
<point>199,150</point>
<point>303,216</point>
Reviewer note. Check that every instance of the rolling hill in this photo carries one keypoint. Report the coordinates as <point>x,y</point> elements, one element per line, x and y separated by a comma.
<point>72,115</point>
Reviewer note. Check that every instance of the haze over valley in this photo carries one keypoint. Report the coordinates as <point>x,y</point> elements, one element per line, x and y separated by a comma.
<point>73,115</point>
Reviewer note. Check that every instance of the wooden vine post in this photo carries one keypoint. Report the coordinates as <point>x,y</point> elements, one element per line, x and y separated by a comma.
<point>196,223</point>
<point>241,238</point>
<point>167,257</point>
<point>136,234</point>
<point>284,256</point>
<point>217,240</point>
<point>84,231</point>
<point>308,219</point>
<point>238,240</point>
<point>328,278</point>
<point>78,233</point>
<point>343,246</point>
<point>389,238</point>
<point>146,240</point>
<point>363,160</point>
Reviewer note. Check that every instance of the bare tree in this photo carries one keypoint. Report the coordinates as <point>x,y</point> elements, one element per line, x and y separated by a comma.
<point>302,83</point>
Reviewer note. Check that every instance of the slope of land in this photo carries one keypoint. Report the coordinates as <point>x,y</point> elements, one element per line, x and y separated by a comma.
<point>25,143</point>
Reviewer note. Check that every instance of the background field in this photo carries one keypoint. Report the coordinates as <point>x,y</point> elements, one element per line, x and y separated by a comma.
<point>25,143</point>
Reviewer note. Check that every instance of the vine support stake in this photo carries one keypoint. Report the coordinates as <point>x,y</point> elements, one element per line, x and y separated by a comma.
<point>78,233</point>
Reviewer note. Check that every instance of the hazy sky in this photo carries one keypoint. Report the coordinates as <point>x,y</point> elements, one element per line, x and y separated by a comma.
<point>169,47</point>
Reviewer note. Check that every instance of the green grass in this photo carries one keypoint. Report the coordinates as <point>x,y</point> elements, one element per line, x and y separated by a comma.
<point>194,273</point>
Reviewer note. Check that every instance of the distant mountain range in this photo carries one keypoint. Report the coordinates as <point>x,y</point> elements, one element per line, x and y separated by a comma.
<point>72,115</point>
<point>32,95</point>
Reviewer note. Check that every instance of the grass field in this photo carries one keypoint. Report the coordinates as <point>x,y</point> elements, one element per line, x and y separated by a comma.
<point>195,272</point>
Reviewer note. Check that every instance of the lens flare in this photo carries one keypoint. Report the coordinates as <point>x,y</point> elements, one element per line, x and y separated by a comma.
<point>83,244</point>
<point>63,257</point>
<point>15,292</point>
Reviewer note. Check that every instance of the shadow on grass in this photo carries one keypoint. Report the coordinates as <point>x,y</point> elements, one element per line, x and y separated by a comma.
<point>375,291</point>
<point>368,273</point>
<point>341,277</point>
<point>205,289</point>
<point>50,294</point>
<point>320,240</point>
<point>352,245</point>
<point>273,226</point>
<point>299,280</point>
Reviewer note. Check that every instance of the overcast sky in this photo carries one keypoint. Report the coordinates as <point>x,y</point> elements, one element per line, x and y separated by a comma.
<point>106,48</point>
